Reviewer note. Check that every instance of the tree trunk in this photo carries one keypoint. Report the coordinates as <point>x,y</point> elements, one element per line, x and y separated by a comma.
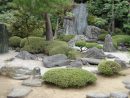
<point>113,18</point>
<point>49,33</point>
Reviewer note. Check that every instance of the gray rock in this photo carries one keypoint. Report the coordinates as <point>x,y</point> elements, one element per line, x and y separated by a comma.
<point>92,32</point>
<point>119,95</point>
<point>110,56</point>
<point>19,92</point>
<point>122,63</point>
<point>98,95</point>
<point>76,63</point>
<point>15,72</point>
<point>32,82</point>
<point>84,61</point>
<point>26,56</point>
<point>108,44</point>
<point>127,86</point>
<point>21,77</point>
<point>126,82</point>
<point>56,60</point>
<point>77,23</point>
<point>91,60</point>
<point>95,53</point>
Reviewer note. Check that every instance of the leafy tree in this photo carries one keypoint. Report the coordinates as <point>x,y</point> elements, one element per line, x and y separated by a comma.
<point>114,11</point>
<point>44,7</point>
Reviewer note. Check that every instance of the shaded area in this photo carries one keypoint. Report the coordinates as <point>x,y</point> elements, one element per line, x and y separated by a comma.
<point>80,1</point>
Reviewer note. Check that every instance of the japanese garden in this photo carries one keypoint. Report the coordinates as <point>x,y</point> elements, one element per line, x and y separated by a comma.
<point>65,48</point>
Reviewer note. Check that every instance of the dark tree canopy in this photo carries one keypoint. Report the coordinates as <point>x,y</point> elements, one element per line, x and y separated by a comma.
<point>80,1</point>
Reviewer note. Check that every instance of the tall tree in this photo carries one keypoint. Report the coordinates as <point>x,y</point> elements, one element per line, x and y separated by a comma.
<point>44,7</point>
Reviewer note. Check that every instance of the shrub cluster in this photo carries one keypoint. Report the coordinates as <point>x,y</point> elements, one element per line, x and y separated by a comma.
<point>109,68</point>
<point>69,77</point>
<point>14,41</point>
<point>65,38</point>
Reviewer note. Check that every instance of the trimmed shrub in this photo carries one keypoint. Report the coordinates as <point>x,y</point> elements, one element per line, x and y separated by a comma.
<point>81,44</point>
<point>15,41</point>
<point>69,77</point>
<point>50,45</point>
<point>65,38</point>
<point>102,35</point>
<point>73,54</point>
<point>33,44</point>
<point>109,68</point>
<point>117,39</point>
<point>92,44</point>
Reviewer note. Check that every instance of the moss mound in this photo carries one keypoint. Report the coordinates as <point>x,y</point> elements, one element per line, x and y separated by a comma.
<point>69,77</point>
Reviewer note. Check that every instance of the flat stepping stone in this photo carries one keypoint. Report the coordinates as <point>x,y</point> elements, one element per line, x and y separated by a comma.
<point>19,92</point>
<point>21,77</point>
<point>32,82</point>
<point>119,95</point>
<point>126,82</point>
<point>98,95</point>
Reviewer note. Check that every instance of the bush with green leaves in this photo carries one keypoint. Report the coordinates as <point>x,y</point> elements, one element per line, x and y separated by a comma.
<point>103,35</point>
<point>33,44</point>
<point>117,39</point>
<point>65,38</point>
<point>80,44</point>
<point>73,54</point>
<point>109,68</point>
<point>14,41</point>
<point>69,77</point>
<point>93,44</point>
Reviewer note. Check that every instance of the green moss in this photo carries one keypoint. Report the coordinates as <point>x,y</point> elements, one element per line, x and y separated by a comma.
<point>33,44</point>
<point>15,41</point>
<point>69,77</point>
<point>73,54</point>
<point>65,38</point>
<point>109,68</point>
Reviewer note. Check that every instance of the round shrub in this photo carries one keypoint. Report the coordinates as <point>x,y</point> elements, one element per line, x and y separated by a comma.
<point>80,44</point>
<point>109,68</point>
<point>33,44</point>
<point>15,41</point>
<point>69,77</point>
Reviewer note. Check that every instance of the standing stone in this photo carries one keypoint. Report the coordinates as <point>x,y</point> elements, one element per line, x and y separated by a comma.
<point>77,24</point>
<point>108,44</point>
<point>3,39</point>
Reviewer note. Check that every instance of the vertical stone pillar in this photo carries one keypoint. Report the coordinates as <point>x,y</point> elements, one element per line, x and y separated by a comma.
<point>3,39</point>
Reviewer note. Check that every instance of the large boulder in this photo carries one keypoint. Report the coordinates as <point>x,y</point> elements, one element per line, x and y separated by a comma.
<point>95,53</point>
<point>26,56</point>
<point>119,95</point>
<point>17,73</point>
<point>122,63</point>
<point>76,63</point>
<point>108,44</point>
<point>3,38</point>
<point>56,60</point>
<point>92,32</point>
<point>91,61</point>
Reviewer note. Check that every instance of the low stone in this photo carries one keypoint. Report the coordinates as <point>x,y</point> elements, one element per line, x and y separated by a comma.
<point>127,86</point>
<point>76,63</point>
<point>19,92</point>
<point>26,56</point>
<point>122,63</point>
<point>95,53</point>
<point>126,82</point>
<point>21,77</point>
<point>32,82</point>
<point>84,61</point>
<point>56,60</point>
<point>119,95</point>
<point>98,95</point>
<point>110,56</point>
<point>91,60</point>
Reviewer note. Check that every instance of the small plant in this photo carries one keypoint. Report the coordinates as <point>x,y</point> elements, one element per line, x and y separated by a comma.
<point>81,44</point>
<point>15,41</point>
<point>109,68</point>
<point>69,77</point>
<point>66,38</point>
